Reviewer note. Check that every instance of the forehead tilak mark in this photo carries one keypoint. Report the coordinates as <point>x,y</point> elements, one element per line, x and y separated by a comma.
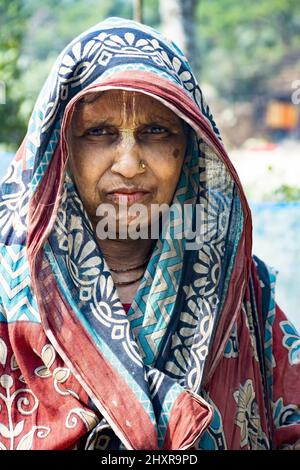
<point>129,114</point>
<point>129,107</point>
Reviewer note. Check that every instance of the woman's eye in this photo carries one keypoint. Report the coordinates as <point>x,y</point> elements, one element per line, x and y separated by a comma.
<point>155,130</point>
<point>99,131</point>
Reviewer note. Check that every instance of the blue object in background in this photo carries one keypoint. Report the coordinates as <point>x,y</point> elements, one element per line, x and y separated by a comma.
<point>276,240</point>
<point>5,159</point>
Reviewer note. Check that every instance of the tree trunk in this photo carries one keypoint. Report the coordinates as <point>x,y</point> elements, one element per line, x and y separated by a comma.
<point>138,10</point>
<point>178,21</point>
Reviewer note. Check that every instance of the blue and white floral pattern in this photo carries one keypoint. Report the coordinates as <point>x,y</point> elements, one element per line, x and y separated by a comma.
<point>291,341</point>
<point>285,415</point>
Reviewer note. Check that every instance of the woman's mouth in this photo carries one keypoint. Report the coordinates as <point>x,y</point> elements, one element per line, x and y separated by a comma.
<point>127,196</point>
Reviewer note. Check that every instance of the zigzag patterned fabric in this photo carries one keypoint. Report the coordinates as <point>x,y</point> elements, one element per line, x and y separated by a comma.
<point>77,371</point>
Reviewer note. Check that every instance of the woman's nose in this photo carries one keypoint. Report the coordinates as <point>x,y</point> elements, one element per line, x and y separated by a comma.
<point>127,156</point>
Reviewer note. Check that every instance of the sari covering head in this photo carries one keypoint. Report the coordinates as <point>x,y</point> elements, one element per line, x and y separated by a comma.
<point>199,359</point>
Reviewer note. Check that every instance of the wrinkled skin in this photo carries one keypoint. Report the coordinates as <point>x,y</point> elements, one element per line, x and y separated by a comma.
<point>110,134</point>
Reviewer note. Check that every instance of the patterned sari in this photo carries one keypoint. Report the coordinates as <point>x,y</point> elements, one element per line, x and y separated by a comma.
<point>203,359</point>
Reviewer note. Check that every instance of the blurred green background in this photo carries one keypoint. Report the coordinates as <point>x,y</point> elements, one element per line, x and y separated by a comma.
<point>238,49</point>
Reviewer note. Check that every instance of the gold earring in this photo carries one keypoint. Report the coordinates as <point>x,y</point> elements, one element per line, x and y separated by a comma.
<point>142,164</point>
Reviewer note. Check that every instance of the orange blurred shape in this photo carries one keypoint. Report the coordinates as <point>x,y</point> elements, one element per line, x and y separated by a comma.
<point>281,115</point>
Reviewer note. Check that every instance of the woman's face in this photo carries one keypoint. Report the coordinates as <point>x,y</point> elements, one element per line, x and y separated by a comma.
<point>110,134</point>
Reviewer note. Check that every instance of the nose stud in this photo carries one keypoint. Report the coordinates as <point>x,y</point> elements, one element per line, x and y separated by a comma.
<point>143,165</point>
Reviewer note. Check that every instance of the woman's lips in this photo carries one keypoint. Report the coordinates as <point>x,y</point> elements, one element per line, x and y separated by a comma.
<point>127,198</point>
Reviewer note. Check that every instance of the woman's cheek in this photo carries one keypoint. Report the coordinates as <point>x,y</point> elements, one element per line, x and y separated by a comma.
<point>169,176</point>
<point>89,163</point>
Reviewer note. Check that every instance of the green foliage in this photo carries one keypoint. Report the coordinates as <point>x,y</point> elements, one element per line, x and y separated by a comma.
<point>55,23</point>
<point>241,44</point>
<point>247,41</point>
<point>287,193</point>
<point>13,16</point>
<point>33,33</point>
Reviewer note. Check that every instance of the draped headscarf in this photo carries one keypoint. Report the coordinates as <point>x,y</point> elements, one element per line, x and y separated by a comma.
<point>84,364</point>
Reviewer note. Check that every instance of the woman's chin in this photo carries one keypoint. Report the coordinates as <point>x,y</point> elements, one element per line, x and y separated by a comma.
<point>133,228</point>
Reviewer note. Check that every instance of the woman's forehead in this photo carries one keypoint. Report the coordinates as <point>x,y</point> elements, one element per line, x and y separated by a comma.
<point>125,105</point>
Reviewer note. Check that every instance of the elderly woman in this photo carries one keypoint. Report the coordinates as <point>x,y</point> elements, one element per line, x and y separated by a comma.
<point>111,340</point>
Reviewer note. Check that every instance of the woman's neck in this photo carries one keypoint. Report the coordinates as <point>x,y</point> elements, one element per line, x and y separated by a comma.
<point>125,254</point>
<point>129,258</point>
